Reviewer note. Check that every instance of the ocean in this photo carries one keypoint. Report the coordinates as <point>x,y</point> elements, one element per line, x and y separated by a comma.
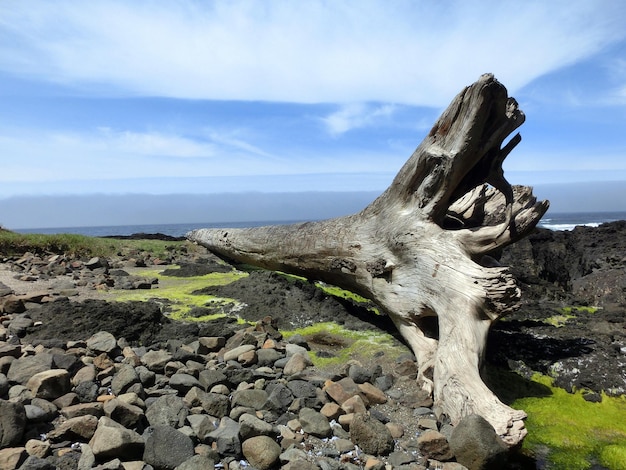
<point>557,221</point>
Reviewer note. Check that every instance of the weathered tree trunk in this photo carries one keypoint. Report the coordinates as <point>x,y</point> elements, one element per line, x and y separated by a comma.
<point>420,249</point>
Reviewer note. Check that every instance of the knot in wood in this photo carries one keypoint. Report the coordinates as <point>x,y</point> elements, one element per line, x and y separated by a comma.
<point>376,268</point>
<point>343,265</point>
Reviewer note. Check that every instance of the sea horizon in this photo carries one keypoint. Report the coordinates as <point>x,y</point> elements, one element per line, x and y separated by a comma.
<point>552,221</point>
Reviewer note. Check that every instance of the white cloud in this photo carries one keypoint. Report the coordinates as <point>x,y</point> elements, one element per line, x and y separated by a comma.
<point>356,115</point>
<point>315,51</point>
<point>151,143</point>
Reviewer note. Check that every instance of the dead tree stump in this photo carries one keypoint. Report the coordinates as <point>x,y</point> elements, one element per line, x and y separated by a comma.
<point>421,249</point>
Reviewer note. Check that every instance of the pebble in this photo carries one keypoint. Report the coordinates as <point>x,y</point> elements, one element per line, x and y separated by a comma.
<point>248,399</point>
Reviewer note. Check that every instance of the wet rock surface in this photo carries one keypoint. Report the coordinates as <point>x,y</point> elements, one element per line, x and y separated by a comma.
<point>86,382</point>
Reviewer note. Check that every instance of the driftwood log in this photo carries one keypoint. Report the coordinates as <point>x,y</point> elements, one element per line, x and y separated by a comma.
<point>421,249</point>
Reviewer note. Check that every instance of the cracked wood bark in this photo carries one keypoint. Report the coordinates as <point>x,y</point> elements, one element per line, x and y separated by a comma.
<point>420,250</point>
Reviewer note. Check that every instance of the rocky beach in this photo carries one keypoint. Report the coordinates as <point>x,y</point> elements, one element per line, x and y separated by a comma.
<point>90,382</point>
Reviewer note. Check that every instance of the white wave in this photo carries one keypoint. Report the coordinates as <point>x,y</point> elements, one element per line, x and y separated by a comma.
<point>559,227</point>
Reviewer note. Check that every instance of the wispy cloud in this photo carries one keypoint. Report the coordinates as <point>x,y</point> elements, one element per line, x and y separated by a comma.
<point>356,115</point>
<point>315,51</point>
<point>151,143</point>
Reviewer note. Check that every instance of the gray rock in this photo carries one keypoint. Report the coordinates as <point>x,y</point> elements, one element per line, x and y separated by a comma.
<point>226,438</point>
<point>372,436</point>
<point>50,409</point>
<point>297,363</point>
<point>207,344</point>
<point>237,376</point>
<point>251,426</point>
<point>10,350</point>
<point>183,382</point>
<point>87,459</point>
<point>291,349</point>
<point>250,398</point>
<point>292,454</point>
<point>216,404</point>
<point>280,398</point>
<point>4,385</point>
<point>314,423</point>
<point>22,369</point>
<point>124,413</point>
<point>384,382</point>
<point>87,392</point>
<point>210,377</point>
<point>302,389</point>
<point>476,445</point>
<point>262,452</point>
<point>34,414</point>
<point>146,376</point>
<point>112,439</point>
<point>125,377</point>
<point>12,423</point>
<point>36,463</point>
<point>359,374</point>
<point>156,360</point>
<point>197,462</point>
<point>305,465</point>
<point>19,325</point>
<point>168,410</point>
<point>102,342</point>
<point>201,425</point>
<point>234,353</point>
<point>267,357</point>
<point>166,447</point>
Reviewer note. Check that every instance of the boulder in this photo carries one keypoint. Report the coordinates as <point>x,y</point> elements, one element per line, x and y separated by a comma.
<point>197,462</point>
<point>168,410</point>
<point>434,445</point>
<point>261,452</point>
<point>476,445</point>
<point>371,435</point>
<point>22,369</point>
<point>251,426</point>
<point>49,384</point>
<point>12,423</point>
<point>314,423</point>
<point>80,427</point>
<point>112,439</point>
<point>125,377</point>
<point>166,447</point>
<point>102,342</point>
<point>226,438</point>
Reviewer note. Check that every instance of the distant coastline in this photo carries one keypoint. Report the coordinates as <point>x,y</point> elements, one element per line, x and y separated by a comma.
<point>556,221</point>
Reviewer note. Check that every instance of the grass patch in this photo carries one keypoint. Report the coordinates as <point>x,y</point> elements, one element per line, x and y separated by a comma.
<point>15,244</point>
<point>346,344</point>
<point>577,433</point>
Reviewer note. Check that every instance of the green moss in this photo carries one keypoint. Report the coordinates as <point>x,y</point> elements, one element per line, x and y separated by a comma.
<point>347,295</point>
<point>558,320</point>
<point>613,456</point>
<point>574,310</point>
<point>568,313</point>
<point>177,293</point>
<point>346,344</point>
<point>576,432</point>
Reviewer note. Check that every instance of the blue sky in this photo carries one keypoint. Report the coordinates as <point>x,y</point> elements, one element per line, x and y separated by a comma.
<point>210,96</point>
